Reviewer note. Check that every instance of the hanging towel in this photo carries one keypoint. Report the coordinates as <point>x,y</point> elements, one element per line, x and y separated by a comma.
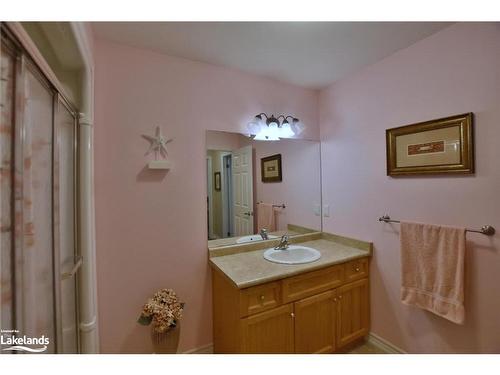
<point>432,269</point>
<point>266,218</point>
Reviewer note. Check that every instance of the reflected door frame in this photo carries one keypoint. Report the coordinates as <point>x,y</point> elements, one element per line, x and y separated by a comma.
<point>210,197</point>
<point>227,195</point>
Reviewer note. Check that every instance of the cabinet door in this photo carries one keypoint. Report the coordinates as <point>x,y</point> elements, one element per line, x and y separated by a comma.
<point>353,312</point>
<point>268,332</point>
<point>315,324</point>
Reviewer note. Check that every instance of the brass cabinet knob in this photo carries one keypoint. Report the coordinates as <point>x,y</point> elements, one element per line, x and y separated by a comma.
<point>340,297</point>
<point>292,315</point>
<point>335,299</point>
<point>357,269</point>
<point>262,297</point>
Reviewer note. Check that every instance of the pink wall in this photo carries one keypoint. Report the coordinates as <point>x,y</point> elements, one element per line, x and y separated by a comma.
<point>454,71</point>
<point>223,141</point>
<point>151,226</point>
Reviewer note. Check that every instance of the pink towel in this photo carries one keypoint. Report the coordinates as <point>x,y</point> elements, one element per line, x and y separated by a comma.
<point>432,269</point>
<point>266,217</point>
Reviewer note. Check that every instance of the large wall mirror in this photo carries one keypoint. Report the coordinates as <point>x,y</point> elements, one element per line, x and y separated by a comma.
<point>260,188</point>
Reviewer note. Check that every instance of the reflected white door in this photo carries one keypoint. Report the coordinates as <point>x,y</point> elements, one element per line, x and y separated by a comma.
<point>242,191</point>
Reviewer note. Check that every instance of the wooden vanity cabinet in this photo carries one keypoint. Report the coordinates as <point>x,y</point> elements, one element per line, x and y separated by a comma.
<point>321,311</point>
<point>315,320</point>
<point>353,312</point>
<point>269,332</point>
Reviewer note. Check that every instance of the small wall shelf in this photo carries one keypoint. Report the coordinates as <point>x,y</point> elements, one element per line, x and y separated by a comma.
<point>160,164</point>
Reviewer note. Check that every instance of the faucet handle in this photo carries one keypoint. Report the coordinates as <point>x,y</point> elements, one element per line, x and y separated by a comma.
<point>283,245</point>
<point>263,234</point>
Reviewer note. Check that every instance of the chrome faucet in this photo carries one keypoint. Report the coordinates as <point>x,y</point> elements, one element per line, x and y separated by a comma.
<point>283,245</point>
<point>263,234</point>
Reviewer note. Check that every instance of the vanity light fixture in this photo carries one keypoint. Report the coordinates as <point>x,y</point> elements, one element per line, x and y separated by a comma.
<point>271,128</point>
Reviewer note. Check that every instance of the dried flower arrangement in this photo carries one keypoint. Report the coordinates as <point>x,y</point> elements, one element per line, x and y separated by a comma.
<point>164,310</point>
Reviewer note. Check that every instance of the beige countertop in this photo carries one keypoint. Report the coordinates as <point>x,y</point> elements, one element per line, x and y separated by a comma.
<point>249,268</point>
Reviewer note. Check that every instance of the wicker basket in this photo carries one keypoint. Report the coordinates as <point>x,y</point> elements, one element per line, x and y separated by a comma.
<point>166,342</point>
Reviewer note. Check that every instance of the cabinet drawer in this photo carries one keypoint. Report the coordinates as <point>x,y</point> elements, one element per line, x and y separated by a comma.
<point>310,283</point>
<point>259,298</point>
<point>356,269</point>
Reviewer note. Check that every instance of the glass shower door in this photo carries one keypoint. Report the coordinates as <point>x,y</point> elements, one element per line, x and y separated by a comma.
<point>33,209</point>
<point>39,259</point>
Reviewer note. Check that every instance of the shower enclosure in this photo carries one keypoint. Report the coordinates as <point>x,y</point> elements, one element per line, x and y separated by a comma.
<point>39,257</point>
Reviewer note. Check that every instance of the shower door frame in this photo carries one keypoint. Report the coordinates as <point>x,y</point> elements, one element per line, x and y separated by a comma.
<point>23,62</point>
<point>89,321</point>
<point>60,100</point>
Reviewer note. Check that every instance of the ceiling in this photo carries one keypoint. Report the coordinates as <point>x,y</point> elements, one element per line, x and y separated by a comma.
<point>308,54</point>
<point>56,42</point>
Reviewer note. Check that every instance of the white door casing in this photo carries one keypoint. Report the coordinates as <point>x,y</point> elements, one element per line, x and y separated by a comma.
<point>242,191</point>
<point>226,193</point>
<point>210,197</point>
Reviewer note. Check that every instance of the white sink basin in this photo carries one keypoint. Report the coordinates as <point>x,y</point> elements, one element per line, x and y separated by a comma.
<point>295,254</point>
<point>253,238</point>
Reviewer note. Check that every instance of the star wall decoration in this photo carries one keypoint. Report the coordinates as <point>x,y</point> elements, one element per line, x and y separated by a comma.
<point>158,144</point>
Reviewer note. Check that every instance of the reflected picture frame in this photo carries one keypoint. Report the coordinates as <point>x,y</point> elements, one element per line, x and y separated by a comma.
<point>440,146</point>
<point>270,168</point>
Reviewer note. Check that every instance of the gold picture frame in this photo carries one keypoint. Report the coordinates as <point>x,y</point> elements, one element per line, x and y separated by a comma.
<point>270,168</point>
<point>441,146</point>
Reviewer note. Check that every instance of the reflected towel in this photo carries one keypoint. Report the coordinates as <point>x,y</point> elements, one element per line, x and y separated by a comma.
<point>266,218</point>
<point>432,269</point>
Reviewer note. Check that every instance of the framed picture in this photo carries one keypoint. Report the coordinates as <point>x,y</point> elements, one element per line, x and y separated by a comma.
<point>270,168</point>
<point>217,181</point>
<point>439,146</point>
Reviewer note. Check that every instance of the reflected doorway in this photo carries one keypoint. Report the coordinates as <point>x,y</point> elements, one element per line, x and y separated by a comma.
<point>227,195</point>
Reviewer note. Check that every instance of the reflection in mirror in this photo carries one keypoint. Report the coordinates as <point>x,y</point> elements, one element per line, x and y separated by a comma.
<point>260,189</point>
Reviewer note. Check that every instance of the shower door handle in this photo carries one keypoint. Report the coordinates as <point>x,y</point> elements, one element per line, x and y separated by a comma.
<point>74,270</point>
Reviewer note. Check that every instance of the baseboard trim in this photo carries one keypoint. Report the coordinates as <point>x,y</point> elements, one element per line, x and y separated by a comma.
<point>206,349</point>
<point>372,338</point>
<point>384,345</point>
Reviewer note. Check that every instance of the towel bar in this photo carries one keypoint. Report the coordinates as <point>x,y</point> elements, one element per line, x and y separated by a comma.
<point>276,205</point>
<point>486,229</point>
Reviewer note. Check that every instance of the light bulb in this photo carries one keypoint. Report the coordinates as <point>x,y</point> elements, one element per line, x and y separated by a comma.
<point>268,133</point>
<point>273,132</point>
<point>286,131</point>
<point>297,127</point>
<point>253,127</point>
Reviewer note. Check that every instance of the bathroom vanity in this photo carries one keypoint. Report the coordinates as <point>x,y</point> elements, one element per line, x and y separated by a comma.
<point>310,297</point>
<point>265,307</point>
